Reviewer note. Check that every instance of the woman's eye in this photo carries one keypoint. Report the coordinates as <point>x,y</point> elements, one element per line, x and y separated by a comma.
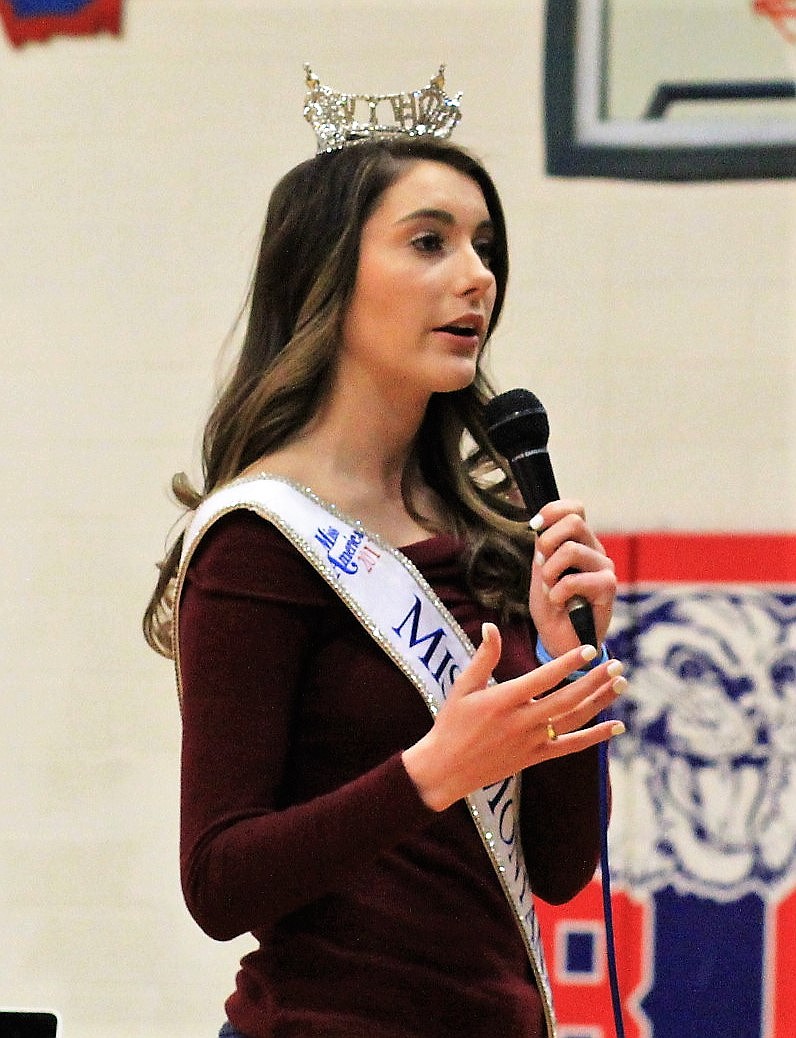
<point>429,241</point>
<point>486,251</point>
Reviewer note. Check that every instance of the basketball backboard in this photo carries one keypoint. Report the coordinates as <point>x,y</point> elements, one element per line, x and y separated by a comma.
<point>671,89</point>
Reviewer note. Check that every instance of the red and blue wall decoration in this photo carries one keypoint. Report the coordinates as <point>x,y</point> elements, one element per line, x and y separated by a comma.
<point>28,20</point>
<point>703,827</point>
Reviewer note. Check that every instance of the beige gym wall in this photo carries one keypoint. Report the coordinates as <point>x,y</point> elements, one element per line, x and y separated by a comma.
<point>656,322</point>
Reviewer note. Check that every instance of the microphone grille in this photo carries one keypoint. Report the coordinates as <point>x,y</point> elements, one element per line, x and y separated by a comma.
<point>516,421</point>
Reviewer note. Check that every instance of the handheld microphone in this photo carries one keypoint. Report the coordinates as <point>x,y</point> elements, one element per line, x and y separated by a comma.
<point>517,425</point>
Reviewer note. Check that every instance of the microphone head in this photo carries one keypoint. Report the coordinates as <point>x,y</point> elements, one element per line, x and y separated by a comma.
<point>516,422</point>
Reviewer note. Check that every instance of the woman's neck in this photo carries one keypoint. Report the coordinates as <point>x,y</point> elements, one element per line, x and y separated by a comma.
<point>363,462</point>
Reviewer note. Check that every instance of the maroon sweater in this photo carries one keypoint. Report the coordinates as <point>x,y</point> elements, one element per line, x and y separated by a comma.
<point>375,916</point>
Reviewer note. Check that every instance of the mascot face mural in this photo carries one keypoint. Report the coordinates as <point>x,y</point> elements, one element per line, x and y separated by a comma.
<point>706,776</point>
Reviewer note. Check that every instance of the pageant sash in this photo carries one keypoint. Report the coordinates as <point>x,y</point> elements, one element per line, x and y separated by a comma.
<point>399,609</point>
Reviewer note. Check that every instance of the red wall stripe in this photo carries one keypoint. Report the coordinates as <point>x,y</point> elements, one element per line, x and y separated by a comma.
<point>703,558</point>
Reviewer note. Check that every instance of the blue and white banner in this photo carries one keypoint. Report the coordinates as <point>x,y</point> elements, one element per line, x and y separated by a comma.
<point>703,831</point>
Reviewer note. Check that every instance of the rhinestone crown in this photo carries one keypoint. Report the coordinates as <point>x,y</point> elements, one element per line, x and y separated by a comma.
<point>343,119</point>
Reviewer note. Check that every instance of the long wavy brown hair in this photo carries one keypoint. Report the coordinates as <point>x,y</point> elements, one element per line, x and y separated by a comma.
<point>300,292</point>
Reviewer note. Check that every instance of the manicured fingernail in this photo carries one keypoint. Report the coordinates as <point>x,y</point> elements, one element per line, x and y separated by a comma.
<point>615,668</point>
<point>587,653</point>
<point>619,685</point>
<point>536,523</point>
<point>618,728</point>
<point>539,559</point>
<point>484,631</point>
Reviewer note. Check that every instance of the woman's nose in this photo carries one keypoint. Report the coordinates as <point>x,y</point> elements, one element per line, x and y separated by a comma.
<point>477,278</point>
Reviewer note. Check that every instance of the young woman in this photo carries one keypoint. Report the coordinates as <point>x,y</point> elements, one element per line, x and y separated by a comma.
<point>324,808</point>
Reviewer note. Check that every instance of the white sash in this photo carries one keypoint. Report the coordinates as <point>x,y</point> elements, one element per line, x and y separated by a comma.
<point>392,600</point>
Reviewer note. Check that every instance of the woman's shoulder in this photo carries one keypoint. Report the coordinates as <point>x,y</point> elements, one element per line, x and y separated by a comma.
<point>243,553</point>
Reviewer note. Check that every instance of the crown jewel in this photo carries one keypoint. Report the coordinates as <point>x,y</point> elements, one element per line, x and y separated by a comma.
<point>342,119</point>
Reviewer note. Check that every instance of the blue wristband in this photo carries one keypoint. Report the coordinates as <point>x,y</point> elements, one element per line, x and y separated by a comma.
<point>543,656</point>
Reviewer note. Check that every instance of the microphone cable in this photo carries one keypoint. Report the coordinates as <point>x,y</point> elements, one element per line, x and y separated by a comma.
<point>605,882</point>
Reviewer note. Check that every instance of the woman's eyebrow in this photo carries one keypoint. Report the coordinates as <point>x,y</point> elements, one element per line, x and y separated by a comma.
<point>429,214</point>
<point>442,215</point>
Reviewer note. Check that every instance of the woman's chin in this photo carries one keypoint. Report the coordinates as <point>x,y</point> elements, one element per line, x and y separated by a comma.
<point>458,376</point>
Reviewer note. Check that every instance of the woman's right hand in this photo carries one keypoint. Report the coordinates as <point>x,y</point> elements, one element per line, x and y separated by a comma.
<point>483,733</point>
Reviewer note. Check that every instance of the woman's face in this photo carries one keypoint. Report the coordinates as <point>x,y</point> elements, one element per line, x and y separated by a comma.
<point>424,291</point>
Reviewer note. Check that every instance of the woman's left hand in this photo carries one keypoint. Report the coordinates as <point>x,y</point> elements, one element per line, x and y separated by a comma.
<point>565,541</point>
